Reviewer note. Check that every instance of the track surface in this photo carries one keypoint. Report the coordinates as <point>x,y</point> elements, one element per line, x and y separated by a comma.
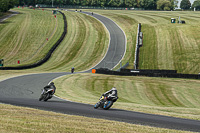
<point>117,45</point>
<point>25,91</point>
<point>8,16</point>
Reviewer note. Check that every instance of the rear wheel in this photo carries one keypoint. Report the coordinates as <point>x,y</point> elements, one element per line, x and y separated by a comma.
<point>108,105</point>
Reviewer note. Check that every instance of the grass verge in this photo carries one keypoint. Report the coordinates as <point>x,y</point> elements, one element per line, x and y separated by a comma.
<point>166,45</point>
<point>84,46</point>
<point>23,37</point>
<point>26,120</point>
<point>172,97</point>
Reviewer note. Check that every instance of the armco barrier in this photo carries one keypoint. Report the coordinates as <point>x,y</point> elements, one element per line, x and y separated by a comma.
<point>167,75</point>
<point>139,43</point>
<point>47,56</point>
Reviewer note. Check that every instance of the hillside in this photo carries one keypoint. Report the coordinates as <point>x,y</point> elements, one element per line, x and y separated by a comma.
<point>23,37</point>
<point>166,45</point>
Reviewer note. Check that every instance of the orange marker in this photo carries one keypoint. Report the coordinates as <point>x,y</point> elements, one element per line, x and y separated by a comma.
<point>93,70</point>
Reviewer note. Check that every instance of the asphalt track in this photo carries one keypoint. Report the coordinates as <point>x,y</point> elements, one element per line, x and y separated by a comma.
<point>25,91</point>
<point>8,16</point>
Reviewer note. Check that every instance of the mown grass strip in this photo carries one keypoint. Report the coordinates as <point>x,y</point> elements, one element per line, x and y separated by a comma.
<point>26,42</point>
<point>162,40</point>
<point>84,46</point>
<point>19,119</point>
<point>173,97</point>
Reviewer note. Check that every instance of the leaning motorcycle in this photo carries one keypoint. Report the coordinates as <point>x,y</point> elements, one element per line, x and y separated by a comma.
<point>104,102</point>
<point>46,94</point>
<point>72,70</point>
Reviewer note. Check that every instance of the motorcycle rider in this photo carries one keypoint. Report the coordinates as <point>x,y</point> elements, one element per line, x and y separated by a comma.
<point>112,94</point>
<point>72,70</point>
<point>46,88</point>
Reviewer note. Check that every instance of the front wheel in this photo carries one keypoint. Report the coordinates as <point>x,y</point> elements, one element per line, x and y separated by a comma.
<point>41,97</point>
<point>47,97</point>
<point>97,105</point>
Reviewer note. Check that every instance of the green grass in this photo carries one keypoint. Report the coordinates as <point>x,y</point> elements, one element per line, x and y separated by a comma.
<point>23,37</point>
<point>84,46</point>
<point>145,60</point>
<point>2,14</point>
<point>166,45</point>
<point>26,120</point>
<point>172,97</point>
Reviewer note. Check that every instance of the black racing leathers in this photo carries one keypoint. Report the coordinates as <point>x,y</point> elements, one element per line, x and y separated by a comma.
<point>51,86</point>
<point>112,94</point>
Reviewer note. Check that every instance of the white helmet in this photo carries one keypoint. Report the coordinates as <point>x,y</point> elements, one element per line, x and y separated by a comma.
<point>114,89</point>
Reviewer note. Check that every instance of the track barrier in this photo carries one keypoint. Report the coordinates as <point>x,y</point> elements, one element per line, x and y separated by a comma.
<point>148,73</point>
<point>139,43</point>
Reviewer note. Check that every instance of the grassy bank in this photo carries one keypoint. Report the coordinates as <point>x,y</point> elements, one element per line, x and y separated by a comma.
<point>84,46</point>
<point>26,120</point>
<point>172,97</point>
<point>23,37</point>
<point>166,45</point>
<point>2,14</point>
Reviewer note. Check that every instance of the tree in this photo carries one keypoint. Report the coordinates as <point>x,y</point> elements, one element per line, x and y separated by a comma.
<point>6,5</point>
<point>12,3</point>
<point>185,4</point>
<point>148,4</point>
<point>196,4</point>
<point>128,3</point>
<point>164,5</point>
<point>174,4</point>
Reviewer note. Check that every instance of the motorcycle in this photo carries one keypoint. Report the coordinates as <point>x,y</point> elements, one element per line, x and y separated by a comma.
<point>72,70</point>
<point>46,94</point>
<point>104,102</point>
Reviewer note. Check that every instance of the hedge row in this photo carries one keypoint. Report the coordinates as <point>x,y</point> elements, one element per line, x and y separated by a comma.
<point>47,56</point>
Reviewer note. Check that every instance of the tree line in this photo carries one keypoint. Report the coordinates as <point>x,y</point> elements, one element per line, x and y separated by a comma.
<point>145,4</point>
<point>5,5</point>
